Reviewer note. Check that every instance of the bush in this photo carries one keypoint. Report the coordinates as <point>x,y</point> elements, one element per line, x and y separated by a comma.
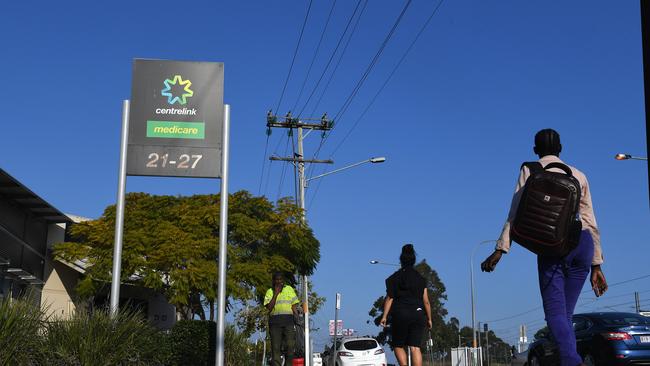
<point>20,338</point>
<point>193,342</point>
<point>97,339</point>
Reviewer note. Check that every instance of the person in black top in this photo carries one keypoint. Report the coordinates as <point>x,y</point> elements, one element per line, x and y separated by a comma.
<point>408,303</point>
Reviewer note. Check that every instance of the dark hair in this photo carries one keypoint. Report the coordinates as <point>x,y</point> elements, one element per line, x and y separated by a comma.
<point>547,142</point>
<point>407,258</point>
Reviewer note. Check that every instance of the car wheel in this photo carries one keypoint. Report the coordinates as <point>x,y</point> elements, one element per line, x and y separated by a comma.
<point>534,361</point>
<point>589,360</point>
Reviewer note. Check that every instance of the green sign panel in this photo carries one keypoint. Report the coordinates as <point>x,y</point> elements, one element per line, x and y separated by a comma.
<point>176,129</point>
<point>176,119</point>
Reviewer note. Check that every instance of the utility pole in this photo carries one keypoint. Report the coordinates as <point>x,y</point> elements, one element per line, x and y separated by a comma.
<point>299,161</point>
<point>487,343</point>
<point>645,39</point>
<point>638,302</point>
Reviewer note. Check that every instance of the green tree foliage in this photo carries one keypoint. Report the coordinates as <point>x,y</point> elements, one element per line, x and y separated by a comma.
<point>171,243</point>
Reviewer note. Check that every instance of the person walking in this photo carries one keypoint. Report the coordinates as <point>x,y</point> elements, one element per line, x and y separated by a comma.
<point>560,278</point>
<point>407,302</point>
<point>281,302</point>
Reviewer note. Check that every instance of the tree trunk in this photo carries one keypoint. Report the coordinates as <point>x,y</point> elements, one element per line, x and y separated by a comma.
<point>211,304</point>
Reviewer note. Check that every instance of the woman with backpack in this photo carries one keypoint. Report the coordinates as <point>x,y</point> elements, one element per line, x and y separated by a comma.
<point>407,302</point>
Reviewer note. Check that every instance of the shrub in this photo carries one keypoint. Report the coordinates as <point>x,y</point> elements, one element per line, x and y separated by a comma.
<point>96,339</point>
<point>20,324</point>
<point>193,342</point>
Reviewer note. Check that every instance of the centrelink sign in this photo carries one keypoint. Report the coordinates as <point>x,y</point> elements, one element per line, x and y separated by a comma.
<point>176,119</point>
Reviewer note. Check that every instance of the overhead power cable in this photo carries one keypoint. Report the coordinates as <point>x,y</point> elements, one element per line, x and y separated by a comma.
<point>330,59</point>
<point>586,291</point>
<point>372,64</point>
<point>266,148</point>
<point>369,68</point>
<point>311,64</point>
<point>284,166</point>
<point>338,62</point>
<point>399,63</point>
<point>295,53</point>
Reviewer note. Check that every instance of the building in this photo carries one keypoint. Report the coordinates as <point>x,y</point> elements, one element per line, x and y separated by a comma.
<point>29,227</point>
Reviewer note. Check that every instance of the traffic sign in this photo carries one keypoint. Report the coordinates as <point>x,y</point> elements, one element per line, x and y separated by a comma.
<point>176,119</point>
<point>339,327</point>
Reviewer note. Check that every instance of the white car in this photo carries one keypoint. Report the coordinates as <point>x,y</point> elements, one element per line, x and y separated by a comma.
<point>316,360</point>
<point>360,351</point>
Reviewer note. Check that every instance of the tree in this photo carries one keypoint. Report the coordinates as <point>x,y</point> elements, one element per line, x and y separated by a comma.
<point>171,244</point>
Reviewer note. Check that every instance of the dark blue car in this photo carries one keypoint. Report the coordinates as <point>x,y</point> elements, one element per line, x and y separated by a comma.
<point>602,339</point>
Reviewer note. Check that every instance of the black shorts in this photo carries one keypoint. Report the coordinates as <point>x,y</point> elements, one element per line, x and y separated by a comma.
<point>407,326</point>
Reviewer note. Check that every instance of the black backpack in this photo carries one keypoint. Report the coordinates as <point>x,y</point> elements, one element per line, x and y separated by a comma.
<point>547,221</point>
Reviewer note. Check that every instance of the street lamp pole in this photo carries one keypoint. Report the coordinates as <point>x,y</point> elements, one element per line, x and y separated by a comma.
<point>302,187</point>
<point>472,295</point>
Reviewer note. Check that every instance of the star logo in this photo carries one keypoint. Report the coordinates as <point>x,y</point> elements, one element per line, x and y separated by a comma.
<point>186,91</point>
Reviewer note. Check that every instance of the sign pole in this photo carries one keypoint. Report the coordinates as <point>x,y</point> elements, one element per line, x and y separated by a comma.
<point>337,307</point>
<point>223,237</point>
<point>119,215</point>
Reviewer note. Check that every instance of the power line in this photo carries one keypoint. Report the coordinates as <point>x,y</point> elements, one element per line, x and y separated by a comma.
<point>586,291</point>
<point>295,53</point>
<point>372,64</point>
<point>338,62</point>
<point>311,64</point>
<point>399,63</point>
<point>408,50</point>
<point>331,58</point>
<point>266,147</point>
<point>283,169</point>
<point>369,68</point>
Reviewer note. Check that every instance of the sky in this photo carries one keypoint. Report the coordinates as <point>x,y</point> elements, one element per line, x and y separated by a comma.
<point>455,121</point>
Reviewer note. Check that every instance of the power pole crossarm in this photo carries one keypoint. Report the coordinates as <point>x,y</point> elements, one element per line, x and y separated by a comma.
<point>300,160</point>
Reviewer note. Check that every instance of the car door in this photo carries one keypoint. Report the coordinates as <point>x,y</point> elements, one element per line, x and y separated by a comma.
<point>582,328</point>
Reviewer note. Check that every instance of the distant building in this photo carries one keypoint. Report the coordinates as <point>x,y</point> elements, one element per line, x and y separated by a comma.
<point>29,227</point>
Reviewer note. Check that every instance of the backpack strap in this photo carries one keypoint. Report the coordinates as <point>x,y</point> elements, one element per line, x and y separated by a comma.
<point>564,167</point>
<point>533,166</point>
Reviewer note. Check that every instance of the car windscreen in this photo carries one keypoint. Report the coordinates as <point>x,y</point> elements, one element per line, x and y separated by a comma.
<point>624,320</point>
<point>360,344</point>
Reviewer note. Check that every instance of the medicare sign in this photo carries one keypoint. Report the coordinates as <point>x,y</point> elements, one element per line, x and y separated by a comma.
<point>176,119</point>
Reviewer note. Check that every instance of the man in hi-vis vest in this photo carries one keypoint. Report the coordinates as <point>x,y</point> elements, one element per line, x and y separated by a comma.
<point>281,301</point>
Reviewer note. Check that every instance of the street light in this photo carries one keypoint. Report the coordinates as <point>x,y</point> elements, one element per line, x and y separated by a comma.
<point>374,261</point>
<point>376,160</point>
<point>471,271</point>
<point>628,157</point>
<point>303,188</point>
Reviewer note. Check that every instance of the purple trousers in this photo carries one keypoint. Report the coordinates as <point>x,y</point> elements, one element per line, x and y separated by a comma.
<point>560,282</point>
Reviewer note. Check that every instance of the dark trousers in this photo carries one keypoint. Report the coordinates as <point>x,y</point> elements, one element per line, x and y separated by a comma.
<point>560,282</point>
<point>282,334</point>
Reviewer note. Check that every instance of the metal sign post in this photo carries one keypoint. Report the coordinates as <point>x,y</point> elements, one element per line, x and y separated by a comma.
<point>337,307</point>
<point>223,240</point>
<point>119,213</point>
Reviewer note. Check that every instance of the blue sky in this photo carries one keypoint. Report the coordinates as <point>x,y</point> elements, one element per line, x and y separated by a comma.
<point>455,122</point>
